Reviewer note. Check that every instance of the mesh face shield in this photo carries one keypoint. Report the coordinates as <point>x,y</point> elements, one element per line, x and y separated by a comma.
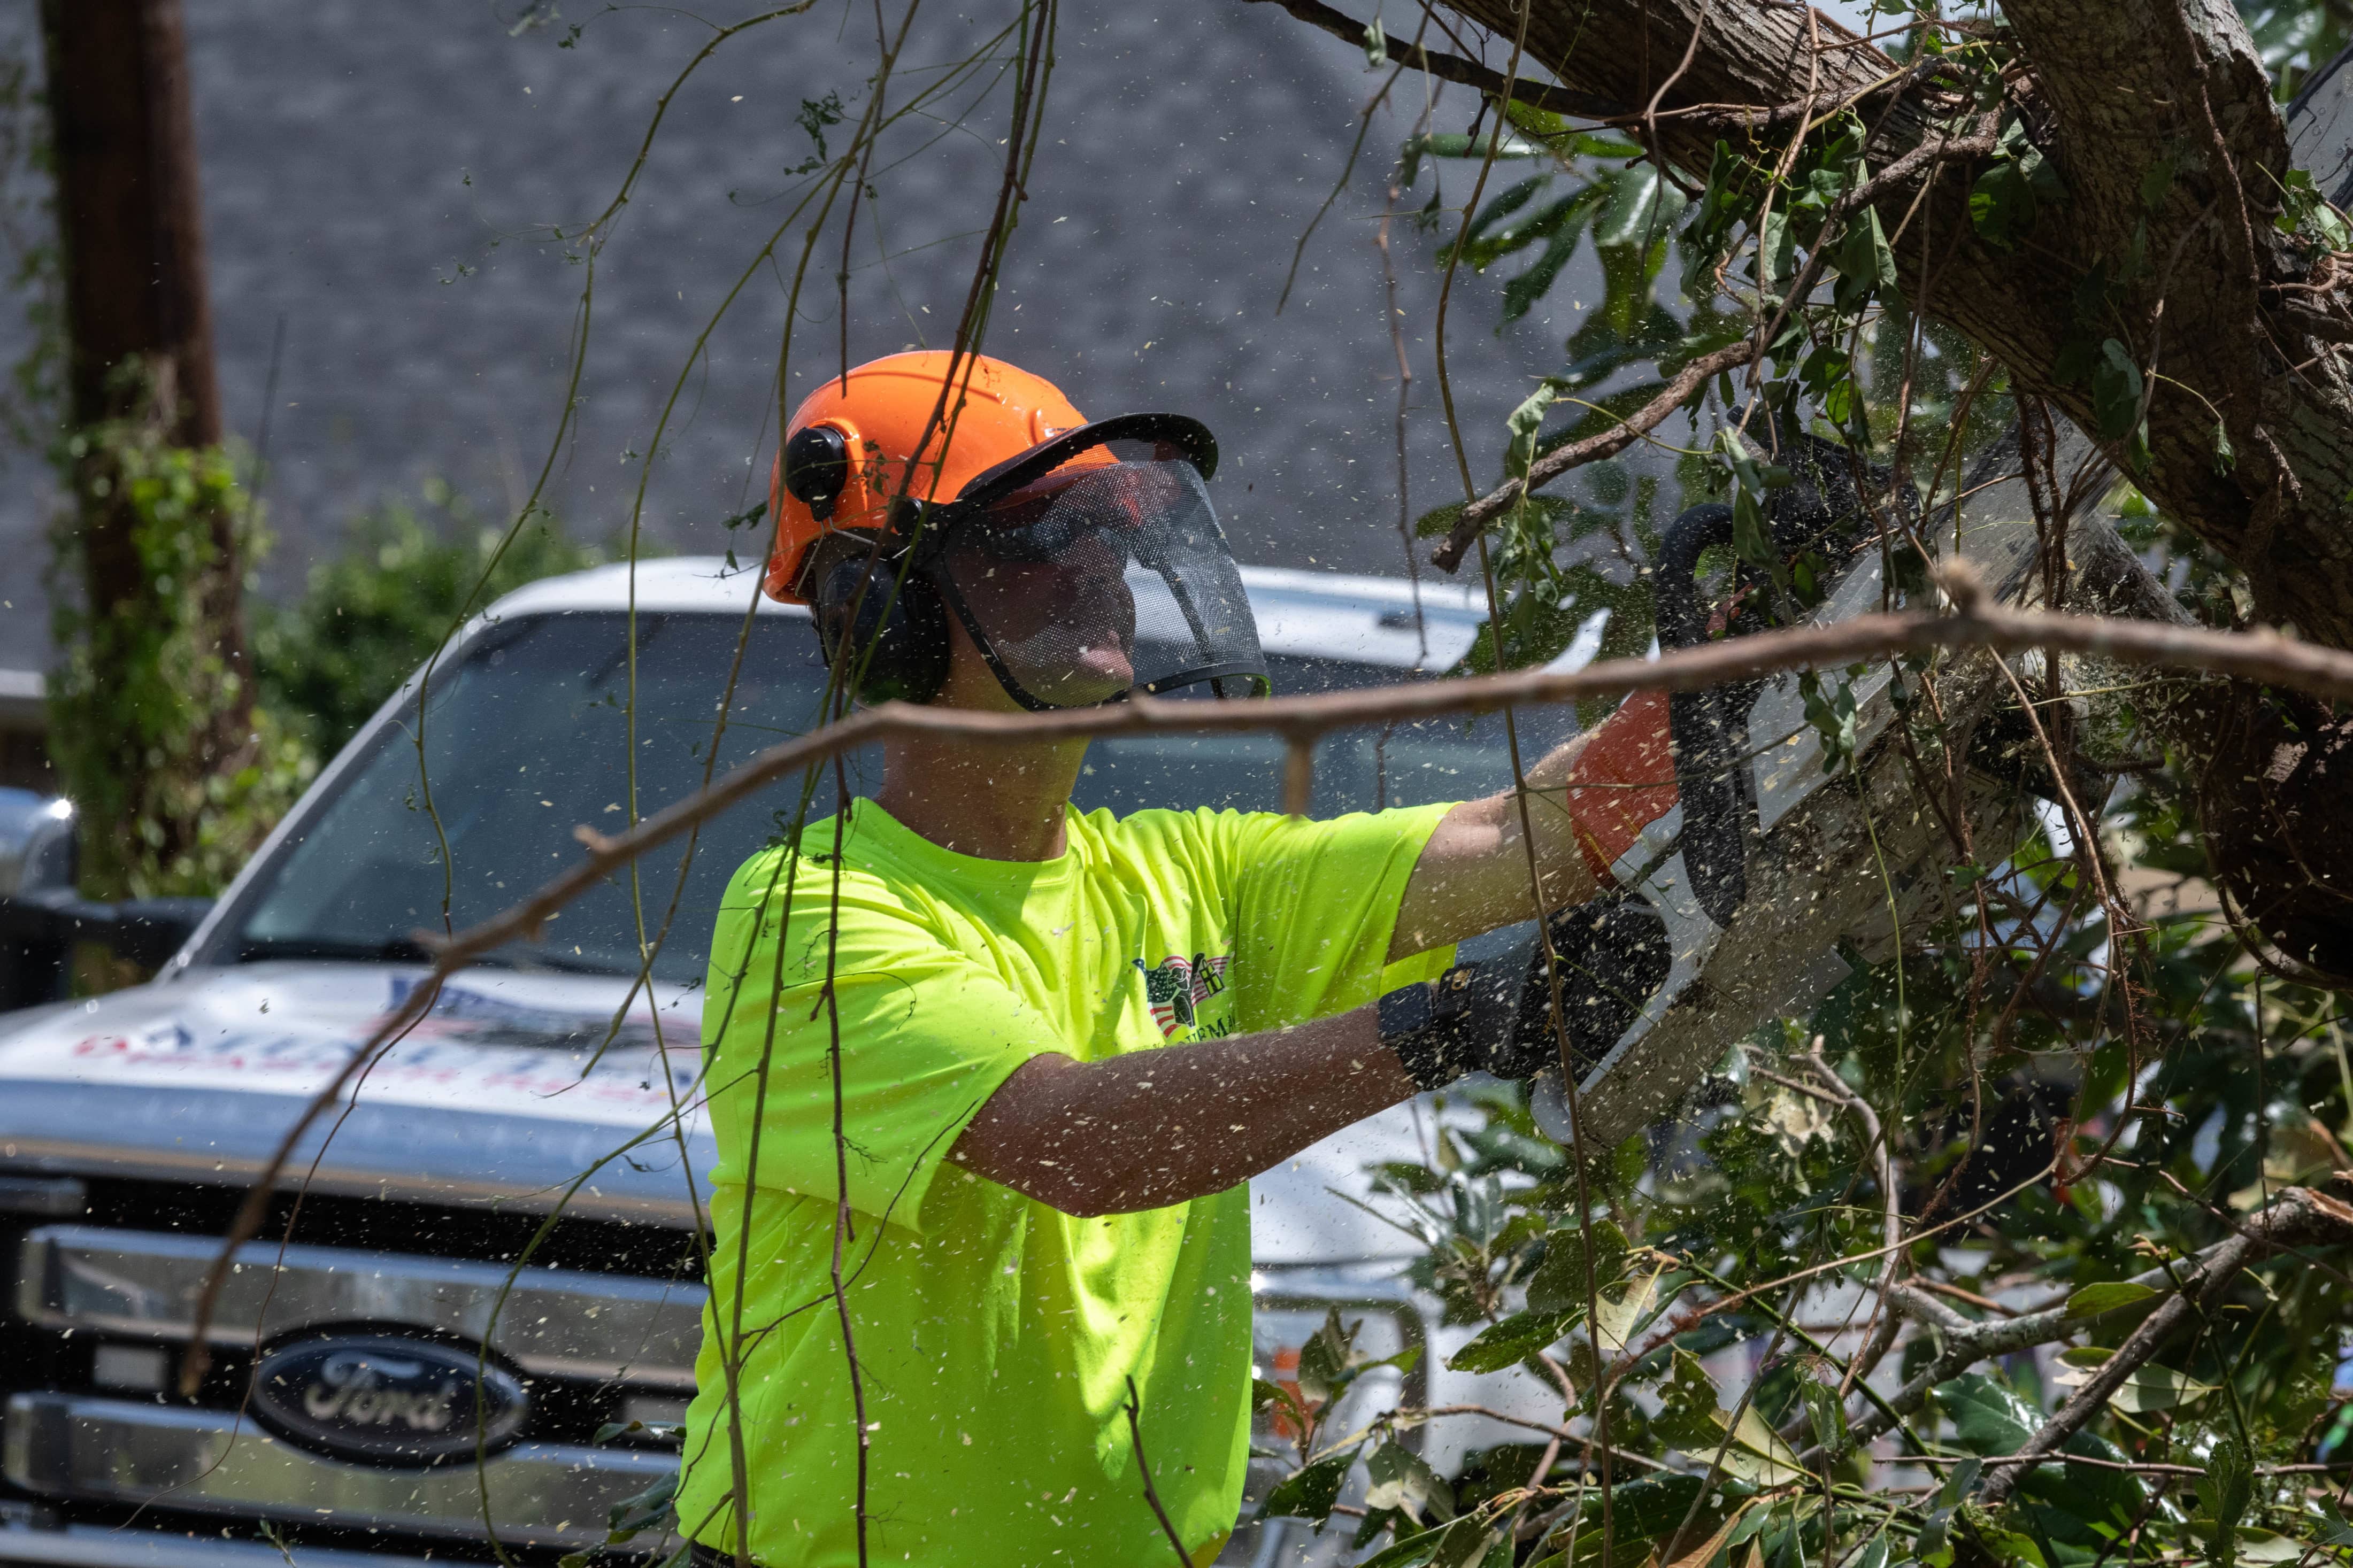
<point>1099,579</point>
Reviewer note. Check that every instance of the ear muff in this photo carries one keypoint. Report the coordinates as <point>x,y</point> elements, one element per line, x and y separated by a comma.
<point>901,637</point>
<point>817,469</point>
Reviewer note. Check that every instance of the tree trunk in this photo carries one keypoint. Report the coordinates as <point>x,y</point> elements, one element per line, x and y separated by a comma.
<point>2250,414</point>
<point>130,213</point>
<point>156,698</point>
<point>2111,92</point>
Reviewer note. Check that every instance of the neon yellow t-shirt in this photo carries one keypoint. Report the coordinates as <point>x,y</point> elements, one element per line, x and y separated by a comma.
<point>995,1336</point>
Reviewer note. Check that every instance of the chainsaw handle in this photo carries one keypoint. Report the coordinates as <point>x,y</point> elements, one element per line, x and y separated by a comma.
<point>1709,728</point>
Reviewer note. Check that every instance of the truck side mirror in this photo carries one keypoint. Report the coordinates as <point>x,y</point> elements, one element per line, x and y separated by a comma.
<point>41,916</point>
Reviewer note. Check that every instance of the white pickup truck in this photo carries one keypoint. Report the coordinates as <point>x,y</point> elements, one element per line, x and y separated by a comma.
<point>338,1414</point>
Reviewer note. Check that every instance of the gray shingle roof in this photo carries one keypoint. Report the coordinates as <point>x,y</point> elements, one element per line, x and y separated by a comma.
<point>357,156</point>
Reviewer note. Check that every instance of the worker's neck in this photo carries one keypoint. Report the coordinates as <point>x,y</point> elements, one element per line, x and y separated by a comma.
<point>993,800</point>
<point>1000,801</point>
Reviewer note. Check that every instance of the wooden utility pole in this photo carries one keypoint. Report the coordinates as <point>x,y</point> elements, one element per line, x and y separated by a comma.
<point>159,680</point>
<point>130,211</point>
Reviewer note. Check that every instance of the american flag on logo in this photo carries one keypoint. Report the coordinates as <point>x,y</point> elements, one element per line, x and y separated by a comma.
<point>1179,986</point>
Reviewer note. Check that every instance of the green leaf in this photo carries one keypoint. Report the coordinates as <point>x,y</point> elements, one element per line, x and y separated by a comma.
<point>2007,1546</point>
<point>1825,1411</point>
<point>1522,292</point>
<point>1403,1480</point>
<point>1652,1506</point>
<point>2093,1300</point>
<point>1690,1421</point>
<point>2115,391</point>
<point>2225,458</point>
<point>1524,422</point>
<point>1758,1453</point>
<point>1466,1544</point>
<point>1324,1359</point>
<point>2148,1388</point>
<point>1625,1310</point>
<point>1412,1551</point>
<point>1514,1340</point>
<point>648,1509</point>
<point>1311,1492</point>
<point>2001,206</point>
<point>2262,1546</point>
<point>1558,1283</point>
<point>1377,46</point>
<point>1639,207</point>
<point>1988,1418</point>
<point>1834,719</point>
<point>1863,255</point>
<point>1267,1395</point>
<point>1779,245</point>
<point>2223,1493</point>
<point>2071,365</point>
<point>1687,1406</point>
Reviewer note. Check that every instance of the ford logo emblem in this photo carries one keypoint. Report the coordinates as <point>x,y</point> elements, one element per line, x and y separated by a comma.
<point>385,1399</point>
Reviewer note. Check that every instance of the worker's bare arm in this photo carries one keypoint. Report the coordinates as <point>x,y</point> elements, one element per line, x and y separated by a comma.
<point>1155,1128</point>
<point>1473,872</point>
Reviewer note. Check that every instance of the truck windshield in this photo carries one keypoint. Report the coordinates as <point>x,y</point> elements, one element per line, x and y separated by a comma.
<point>528,738</point>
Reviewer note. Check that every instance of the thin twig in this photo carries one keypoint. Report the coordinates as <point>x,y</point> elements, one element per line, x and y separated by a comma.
<point>1479,513</point>
<point>1143,1470</point>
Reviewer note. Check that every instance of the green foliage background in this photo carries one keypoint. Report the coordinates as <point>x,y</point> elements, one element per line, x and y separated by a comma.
<point>368,616</point>
<point>140,695</point>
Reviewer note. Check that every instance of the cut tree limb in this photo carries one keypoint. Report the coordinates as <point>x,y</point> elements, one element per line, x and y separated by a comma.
<point>1453,67</point>
<point>2117,90</point>
<point>2158,116</point>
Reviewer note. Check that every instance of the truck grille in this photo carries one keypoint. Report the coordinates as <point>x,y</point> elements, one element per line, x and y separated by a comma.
<point>383,1341</point>
<point>101,1306</point>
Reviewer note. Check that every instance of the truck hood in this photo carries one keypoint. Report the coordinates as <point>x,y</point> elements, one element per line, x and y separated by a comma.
<point>507,1092</point>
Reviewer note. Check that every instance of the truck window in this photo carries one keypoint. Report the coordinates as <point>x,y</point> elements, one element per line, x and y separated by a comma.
<point>528,737</point>
<point>525,740</point>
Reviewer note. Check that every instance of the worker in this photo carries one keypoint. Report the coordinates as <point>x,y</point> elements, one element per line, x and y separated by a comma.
<point>988,1076</point>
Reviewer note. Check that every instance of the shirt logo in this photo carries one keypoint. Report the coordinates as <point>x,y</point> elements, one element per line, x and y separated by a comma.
<point>1180,985</point>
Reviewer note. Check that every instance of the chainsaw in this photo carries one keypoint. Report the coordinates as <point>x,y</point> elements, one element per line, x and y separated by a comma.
<point>1731,834</point>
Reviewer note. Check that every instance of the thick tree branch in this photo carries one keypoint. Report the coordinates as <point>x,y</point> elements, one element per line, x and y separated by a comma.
<point>1454,68</point>
<point>2117,94</point>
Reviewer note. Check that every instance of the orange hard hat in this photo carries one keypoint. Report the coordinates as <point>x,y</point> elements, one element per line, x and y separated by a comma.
<point>852,447</point>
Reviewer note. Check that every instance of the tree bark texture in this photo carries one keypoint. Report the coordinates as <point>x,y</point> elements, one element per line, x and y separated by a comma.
<point>142,383</point>
<point>130,212</point>
<point>2109,92</point>
<point>2240,331</point>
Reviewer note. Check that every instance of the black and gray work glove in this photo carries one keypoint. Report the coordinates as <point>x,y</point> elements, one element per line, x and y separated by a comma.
<point>1493,1014</point>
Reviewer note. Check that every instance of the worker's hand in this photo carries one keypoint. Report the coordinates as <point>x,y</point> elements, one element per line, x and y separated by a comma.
<point>1492,1016</point>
